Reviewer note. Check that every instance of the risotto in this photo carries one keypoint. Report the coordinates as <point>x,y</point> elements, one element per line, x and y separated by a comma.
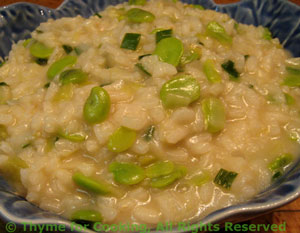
<point>147,112</point>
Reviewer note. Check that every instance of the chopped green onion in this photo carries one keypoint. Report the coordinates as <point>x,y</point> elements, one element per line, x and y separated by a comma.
<point>3,132</point>
<point>217,31</point>
<point>2,63</point>
<point>158,169</point>
<point>137,2</point>
<point>225,178</point>
<point>131,41</point>
<point>72,76</point>
<point>267,35</point>
<point>97,106</point>
<point>39,31</point>
<point>214,114</point>
<point>276,175</point>
<point>246,56</point>
<point>210,71</point>
<point>68,49</point>
<point>136,15</point>
<point>73,137</point>
<point>289,99</point>
<point>41,61</point>
<point>39,50</point>
<point>59,65</point>
<point>121,140</point>
<point>145,55</point>
<point>280,162</point>
<point>180,91</point>
<point>86,215</point>
<point>142,68</point>
<point>163,34</point>
<point>3,84</point>
<point>98,15</point>
<point>149,133</point>
<point>127,173</point>
<point>229,68</point>
<point>169,50</point>
<point>91,185</point>
<point>26,145</point>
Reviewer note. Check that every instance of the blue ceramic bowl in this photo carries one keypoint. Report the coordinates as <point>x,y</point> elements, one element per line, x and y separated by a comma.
<point>281,16</point>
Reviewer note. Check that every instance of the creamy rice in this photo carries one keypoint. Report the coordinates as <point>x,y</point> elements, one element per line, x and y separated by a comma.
<point>258,126</point>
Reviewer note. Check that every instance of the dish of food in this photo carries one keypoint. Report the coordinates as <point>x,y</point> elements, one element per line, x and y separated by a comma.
<point>147,112</point>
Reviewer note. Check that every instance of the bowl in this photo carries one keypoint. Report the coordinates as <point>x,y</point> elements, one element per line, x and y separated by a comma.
<point>280,16</point>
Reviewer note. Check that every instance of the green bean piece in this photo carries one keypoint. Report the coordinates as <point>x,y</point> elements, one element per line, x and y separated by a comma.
<point>64,92</point>
<point>280,162</point>
<point>214,114</point>
<point>39,50</point>
<point>136,15</point>
<point>131,41</point>
<point>73,137</point>
<point>127,173</point>
<point>169,50</point>
<point>137,2</point>
<point>180,91</point>
<point>289,99</point>
<point>87,215</point>
<point>210,71</point>
<point>267,35</point>
<point>75,76</point>
<point>163,181</point>
<point>121,140</point>
<point>59,65</point>
<point>162,34</point>
<point>68,49</point>
<point>142,68</point>
<point>97,106</point>
<point>149,133</point>
<point>91,185</point>
<point>160,168</point>
<point>230,69</point>
<point>5,93</point>
<point>41,61</point>
<point>225,178</point>
<point>3,133</point>
<point>200,179</point>
<point>217,31</point>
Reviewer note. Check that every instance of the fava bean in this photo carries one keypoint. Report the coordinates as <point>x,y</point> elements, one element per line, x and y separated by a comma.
<point>127,173</point>
<point>159,169</point>
<point>214,114</point>
<point>180,91</point>
<point>59,65</point>
<point>169,50</point>
<point>73,137</point>
<point>64,92</point>
<point>137,2</point>
<point>86,215</point>
<point>217,31</point>
<point>39,50</point>
<point>210,71</point>
<point>136,15</point>
<point>163,181</point>
<point>75,76</point>
<point>97,106</point>
<point>121,140</point>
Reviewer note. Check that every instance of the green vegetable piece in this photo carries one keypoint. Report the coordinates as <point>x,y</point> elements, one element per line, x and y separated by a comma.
<point>47,85</point>
<point>214,114</point>
<point>91,185</point>
<point>121,140</point>
<point>180,91</point>
<point>217,31</point>
<point>145,160</point>
<point>39,50</point>
<point>149,133</point>
<point>137,2</point>
<point>210,71</point>
<point>131,41</point>
<point>5,93</point>
<point>39,31</point>
<point>289,99</point>
<point>292,80</point>
<point>190,57</point>
<point>246,56</point>
<point>3,84</point>
<point>200,179</point>
<point>86,215</point>
<point>163,34</point>
<point>59,65</point>
<point>75,76</point>
<point>26,145</point>
<point>236,26</point>
<point>267,35</point>
<point>293,71</point>
<point>196,6</point>
<point>136,15</point>
<point>98,15</point>
<point>127,173</point>
<point>229,68</point>
<point>145,55</point>
<point>51,143</point>
<point>161,168</point>
<point>280,162</point>
<point>28,42</point>
<point>65,92</point>
<point>68,49</point>
<point>73,137</point>
<point>225,178</point>
<point>276,175</point>
<point>97,106</point>
<point>41,61</point>
<point>3,133</point>
<point>163,181</point>
<point>169,50</point>
<point>142,68</point>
